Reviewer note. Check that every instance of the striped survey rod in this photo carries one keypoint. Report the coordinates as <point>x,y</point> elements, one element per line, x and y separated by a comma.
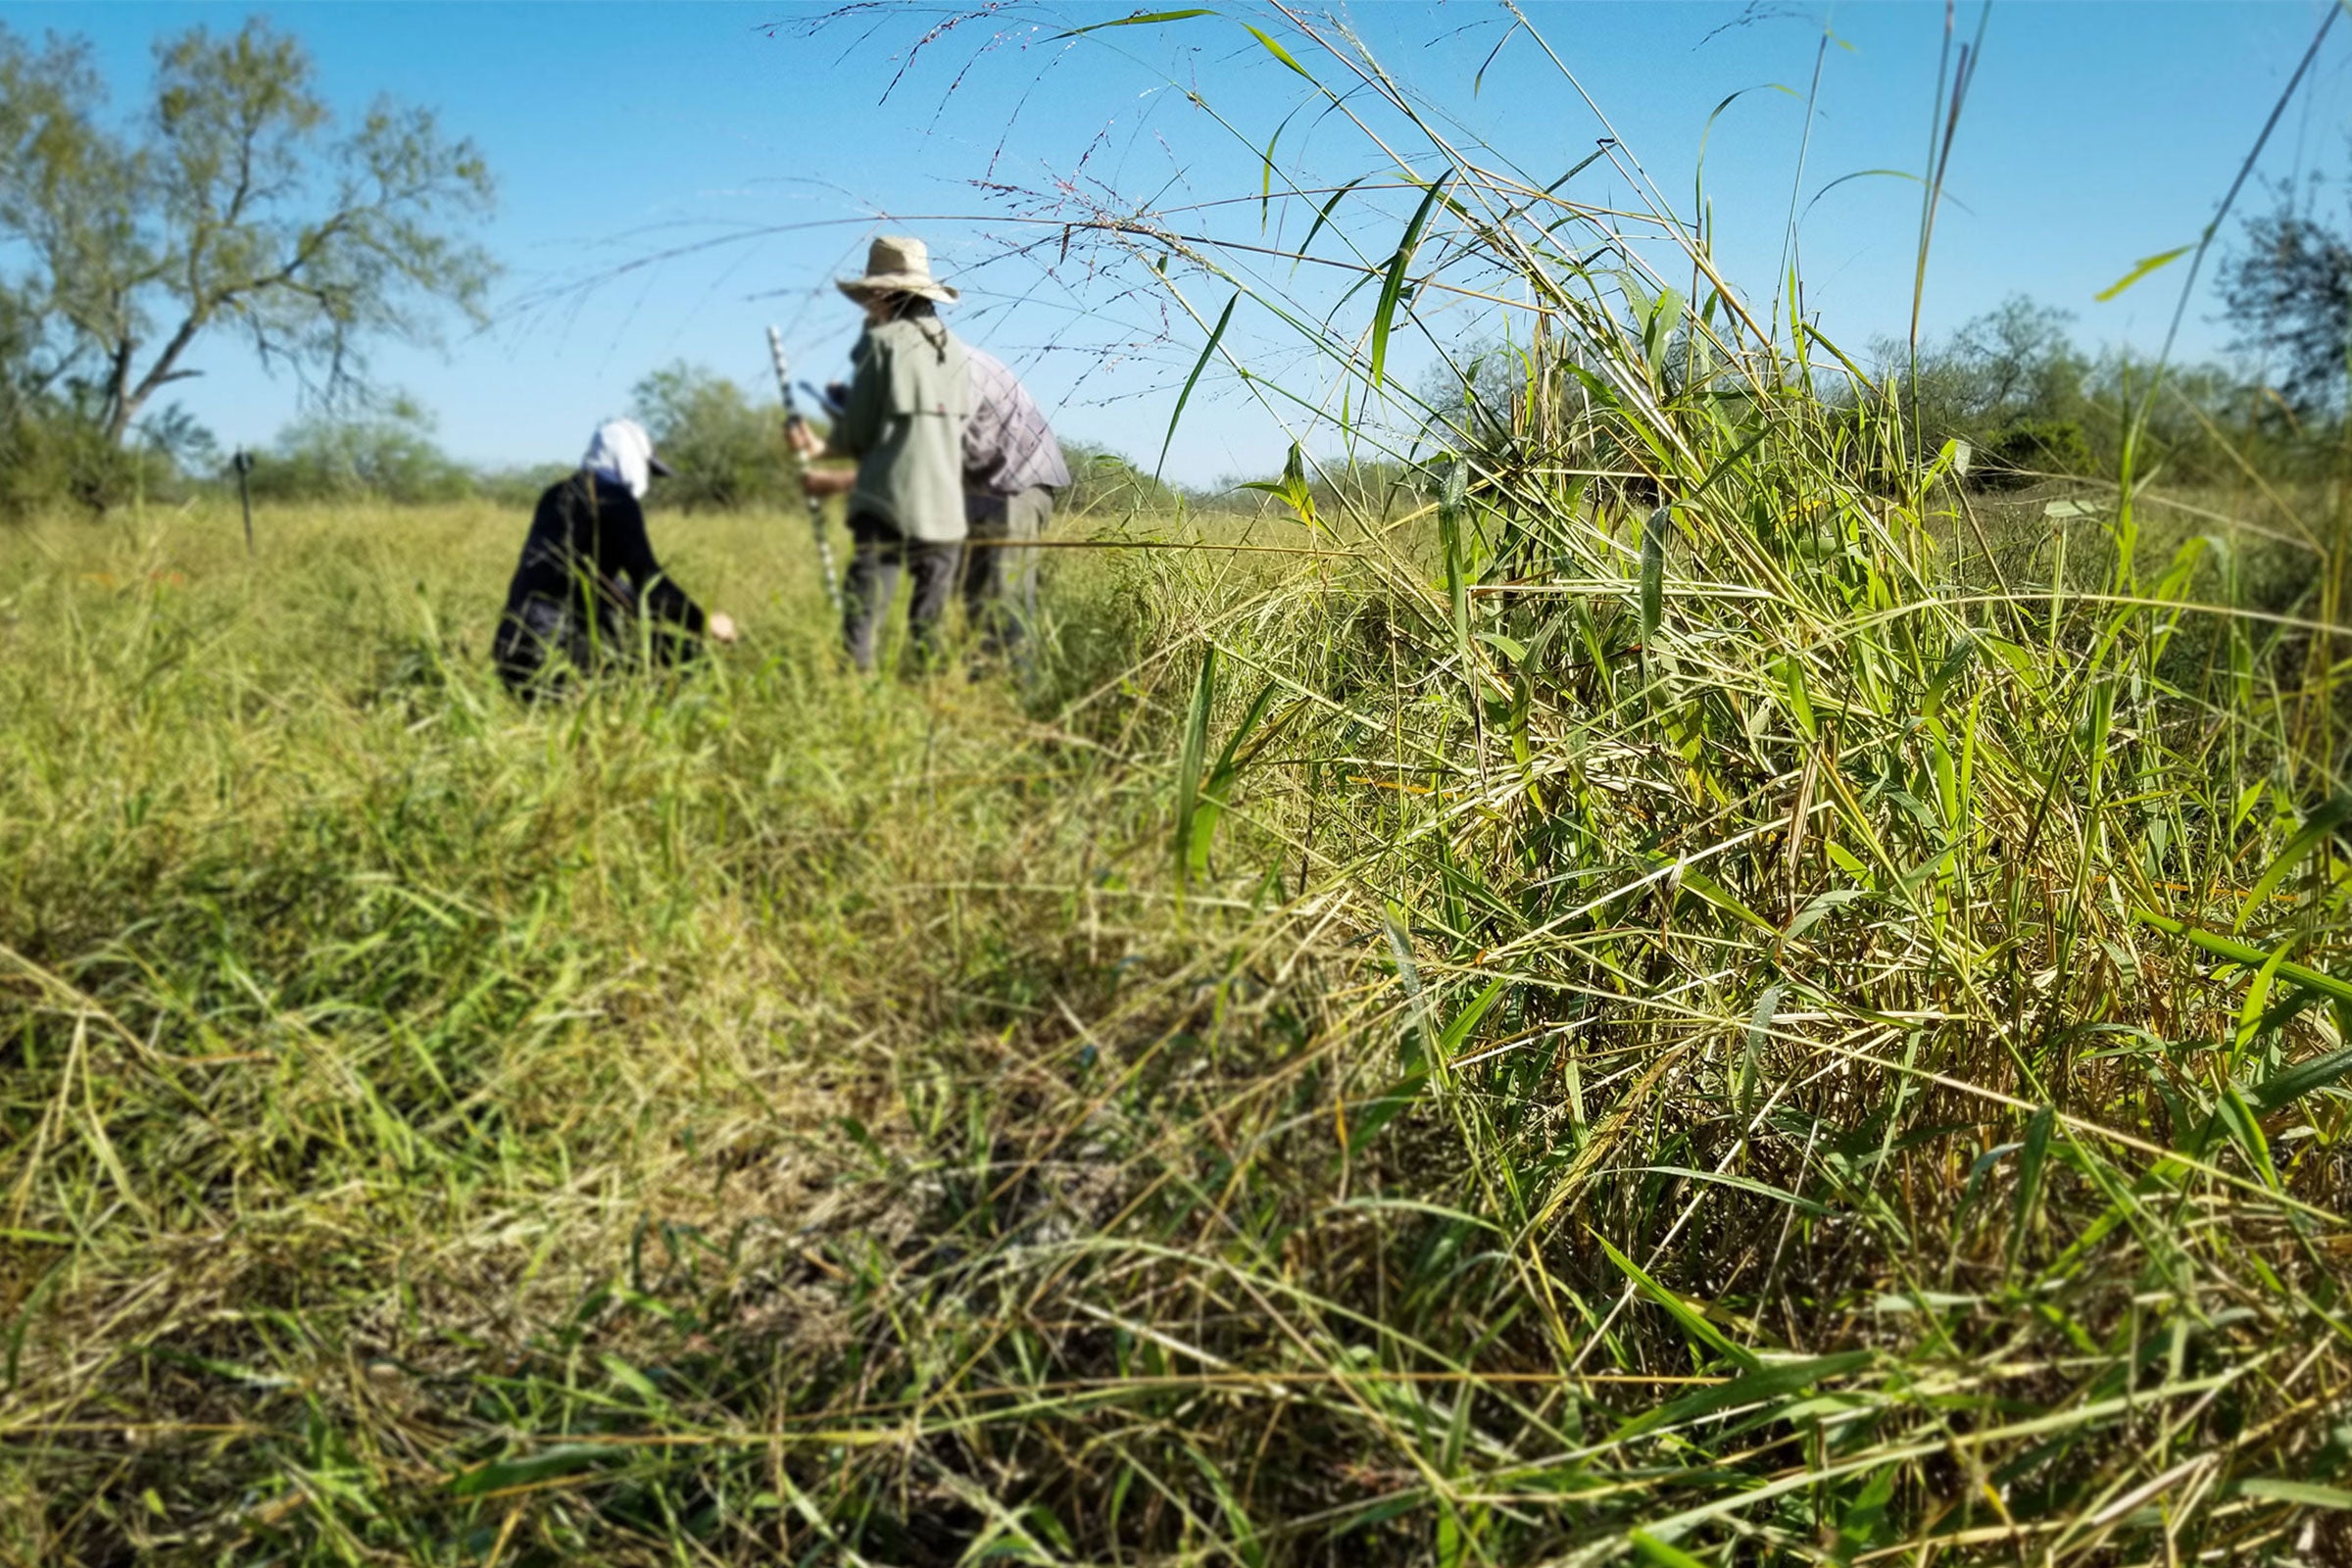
<point>817,507</point>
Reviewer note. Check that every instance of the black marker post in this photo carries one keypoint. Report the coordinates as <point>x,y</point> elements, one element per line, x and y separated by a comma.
<point>243,464</point>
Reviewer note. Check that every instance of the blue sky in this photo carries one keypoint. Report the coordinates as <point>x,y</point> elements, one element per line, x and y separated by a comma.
<point>761,152</point>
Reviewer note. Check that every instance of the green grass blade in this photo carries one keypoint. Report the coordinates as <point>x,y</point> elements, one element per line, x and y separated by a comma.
<point>2239,1117</point>
<point>2033,1161</point>
<point>1208,350</point>
<point>2245,954</point>
<point>1214,795</point>
<point>2147,265</point>
<point>2291,1083</point>
<point>1692,1322</point>
<point>1141,19</point>
<point>2316,832</point>
<point>2302,1494</point>
<point>1322,218</point>
<point>1450,1040</point>
<point>1752,1388</point>
<point>1651,1550</point>
<point>1391,285</point>
<point>1279,53</point>
<point>1654,570</point>
<point>1196,747</point>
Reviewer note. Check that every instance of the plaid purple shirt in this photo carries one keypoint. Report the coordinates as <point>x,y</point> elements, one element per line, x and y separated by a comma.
<point>1008,444</point>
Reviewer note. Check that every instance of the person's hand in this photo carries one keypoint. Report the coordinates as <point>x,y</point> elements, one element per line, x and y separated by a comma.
<point>807,442</point>
<point>721,627</point>
<point>828,481</point>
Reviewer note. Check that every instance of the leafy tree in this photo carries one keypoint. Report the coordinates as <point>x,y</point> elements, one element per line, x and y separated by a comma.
<point>47,461</point>
<point>517,487</point>
<point>1528,409</point>
<point>2289,289</point>
<point>2014,365</point>
<point>388,457</point>
<point>2022,363</point>
<point>232,209</point>
<point>1105,482</point>
<point>725,452</point>
<point>2025,448</point>
<point>177,435</point>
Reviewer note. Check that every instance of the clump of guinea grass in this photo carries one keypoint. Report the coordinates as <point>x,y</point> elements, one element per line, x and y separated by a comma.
<point>358,1020</point>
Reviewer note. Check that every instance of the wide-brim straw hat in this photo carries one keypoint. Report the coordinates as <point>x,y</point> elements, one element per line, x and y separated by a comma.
<point>897,264</point>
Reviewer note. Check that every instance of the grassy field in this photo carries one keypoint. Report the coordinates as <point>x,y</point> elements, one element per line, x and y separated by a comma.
<point>1710,1102</point>
<point>1684,993</point>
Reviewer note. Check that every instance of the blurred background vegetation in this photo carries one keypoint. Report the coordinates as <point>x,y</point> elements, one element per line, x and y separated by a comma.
<point>208,220</point>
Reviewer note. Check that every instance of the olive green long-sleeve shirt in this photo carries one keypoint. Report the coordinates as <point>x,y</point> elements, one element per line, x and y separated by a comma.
<point>909,399</point>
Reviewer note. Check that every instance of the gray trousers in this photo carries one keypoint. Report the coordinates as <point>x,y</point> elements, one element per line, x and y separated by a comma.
<point>1000,577</point>
<point>873,581</point>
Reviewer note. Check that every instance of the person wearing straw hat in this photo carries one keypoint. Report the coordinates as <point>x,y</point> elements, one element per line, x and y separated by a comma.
<point>909,399</point>
<point>588,583</point>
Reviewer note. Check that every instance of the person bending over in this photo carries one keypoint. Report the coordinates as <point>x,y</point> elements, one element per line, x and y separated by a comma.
<point>588,593</point>
<point>909,398</point>
<point>1012,469</point>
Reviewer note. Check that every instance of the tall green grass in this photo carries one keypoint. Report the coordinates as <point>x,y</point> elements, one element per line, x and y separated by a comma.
<point>1686,995</point>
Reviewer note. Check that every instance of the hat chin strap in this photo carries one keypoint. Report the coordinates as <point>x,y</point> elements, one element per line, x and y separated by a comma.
<point>929,288</point>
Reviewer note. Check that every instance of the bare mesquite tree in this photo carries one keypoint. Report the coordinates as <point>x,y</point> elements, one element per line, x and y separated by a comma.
<point>232,206</point>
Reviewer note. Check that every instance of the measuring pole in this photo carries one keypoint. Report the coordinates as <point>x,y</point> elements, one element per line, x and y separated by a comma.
<point>243,464</point>
<point>817,507</point>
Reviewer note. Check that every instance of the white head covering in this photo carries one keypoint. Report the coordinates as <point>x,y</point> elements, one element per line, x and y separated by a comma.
<point>620,451</point>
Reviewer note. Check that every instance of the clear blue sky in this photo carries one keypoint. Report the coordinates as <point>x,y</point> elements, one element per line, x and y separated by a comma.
<point>2094,134</point>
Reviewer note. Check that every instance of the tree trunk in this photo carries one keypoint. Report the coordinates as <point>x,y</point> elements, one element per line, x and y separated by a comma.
<point>119,406</point>
<point>125,401</point>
